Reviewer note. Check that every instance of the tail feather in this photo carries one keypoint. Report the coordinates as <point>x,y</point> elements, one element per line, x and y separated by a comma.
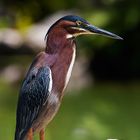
<point>20,135</point>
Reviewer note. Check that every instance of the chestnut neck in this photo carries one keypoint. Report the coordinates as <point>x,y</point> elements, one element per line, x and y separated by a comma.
<point>57,41</point>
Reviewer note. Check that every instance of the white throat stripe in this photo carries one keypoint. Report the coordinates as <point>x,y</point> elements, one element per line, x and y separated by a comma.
<point>69,36</point>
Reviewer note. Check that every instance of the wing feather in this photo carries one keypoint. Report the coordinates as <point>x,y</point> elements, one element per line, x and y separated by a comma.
<point>33,94</point>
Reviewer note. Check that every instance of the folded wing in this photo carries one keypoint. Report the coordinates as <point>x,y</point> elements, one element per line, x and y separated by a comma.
<point>33,95</point>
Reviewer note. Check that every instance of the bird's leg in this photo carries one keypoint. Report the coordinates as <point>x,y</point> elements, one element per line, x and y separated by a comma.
<point>30,134</point>
<point>42,134</point>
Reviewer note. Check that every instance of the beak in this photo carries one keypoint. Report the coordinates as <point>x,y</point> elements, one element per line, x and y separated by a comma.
<point>90,29</point>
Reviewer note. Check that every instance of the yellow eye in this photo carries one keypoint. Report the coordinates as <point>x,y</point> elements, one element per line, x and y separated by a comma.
<point>78,23</point>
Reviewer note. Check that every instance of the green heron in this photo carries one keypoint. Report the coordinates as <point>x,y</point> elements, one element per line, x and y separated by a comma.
<point>43,87</point>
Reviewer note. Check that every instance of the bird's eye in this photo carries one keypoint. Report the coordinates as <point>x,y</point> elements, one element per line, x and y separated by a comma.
<point>78,23</point>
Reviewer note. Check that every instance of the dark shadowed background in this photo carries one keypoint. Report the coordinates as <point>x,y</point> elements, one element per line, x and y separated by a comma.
<point>103,97</point>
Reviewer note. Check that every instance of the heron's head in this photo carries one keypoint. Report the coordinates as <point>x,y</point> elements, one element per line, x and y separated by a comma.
<point>75,26</point>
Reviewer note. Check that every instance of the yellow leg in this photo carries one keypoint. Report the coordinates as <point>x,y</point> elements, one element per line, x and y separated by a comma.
<point>30,134</point>
<point>42,134</point>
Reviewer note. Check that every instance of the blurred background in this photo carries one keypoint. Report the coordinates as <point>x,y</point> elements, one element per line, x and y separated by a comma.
<point>103,97</point>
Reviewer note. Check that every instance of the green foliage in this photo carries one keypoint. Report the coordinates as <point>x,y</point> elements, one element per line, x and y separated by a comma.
<point>3,22</point>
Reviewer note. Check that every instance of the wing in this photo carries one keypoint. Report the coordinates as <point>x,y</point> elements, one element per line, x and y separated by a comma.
<point>33,95</point>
